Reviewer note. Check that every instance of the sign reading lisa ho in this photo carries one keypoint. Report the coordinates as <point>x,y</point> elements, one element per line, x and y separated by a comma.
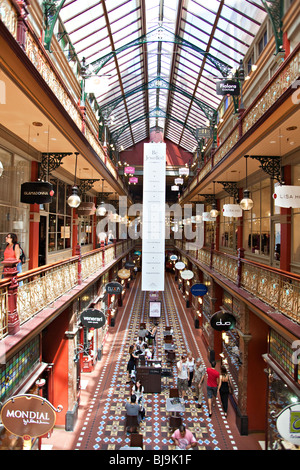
<point>222,321</point>
<point>36,192</point>
<point>92,318</point>
<point>228,87</point>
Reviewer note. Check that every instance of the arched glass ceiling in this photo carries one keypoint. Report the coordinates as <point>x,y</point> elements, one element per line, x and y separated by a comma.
<point>193,36</point>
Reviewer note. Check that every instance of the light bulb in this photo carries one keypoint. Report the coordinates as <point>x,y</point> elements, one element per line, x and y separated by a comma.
<point>246,203</point>
<point>214,212</point>
<point>74,200</point>
<point>101,209</point>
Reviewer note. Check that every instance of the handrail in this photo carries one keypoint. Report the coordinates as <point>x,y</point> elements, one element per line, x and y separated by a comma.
<point>40,287</point>
<point>274,287</point>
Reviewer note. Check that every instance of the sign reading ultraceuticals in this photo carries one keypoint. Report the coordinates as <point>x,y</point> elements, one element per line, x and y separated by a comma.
<point>154,200</point>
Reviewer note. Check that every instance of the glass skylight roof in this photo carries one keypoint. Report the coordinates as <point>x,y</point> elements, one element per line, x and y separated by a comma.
<point>191,39</point>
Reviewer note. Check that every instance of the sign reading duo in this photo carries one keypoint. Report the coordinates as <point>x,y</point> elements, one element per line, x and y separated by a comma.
<point>114,288</point>
<point>222,321</point>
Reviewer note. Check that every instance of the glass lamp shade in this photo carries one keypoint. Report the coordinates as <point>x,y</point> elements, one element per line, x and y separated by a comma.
<point>214,212</point>
<point>101,209</point>
<point>246,203</point>
<point>74,200</point>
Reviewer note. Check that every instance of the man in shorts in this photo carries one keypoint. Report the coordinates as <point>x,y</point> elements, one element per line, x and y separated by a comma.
<point>212,385</point>
<point>183,376</point>
<point>199,373</point>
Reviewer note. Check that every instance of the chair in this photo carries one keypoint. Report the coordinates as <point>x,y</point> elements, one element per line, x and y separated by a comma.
<point>136,440</point>
<point>173,393</point>
<point>171,356</point>
<point>175,422</point>
<point>132,423</point>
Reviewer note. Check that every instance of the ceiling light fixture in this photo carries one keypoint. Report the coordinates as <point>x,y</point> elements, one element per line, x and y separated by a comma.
<point>246,203</point>
<point>74,200</point>
<point>101,209</point>
<point>214,211</point>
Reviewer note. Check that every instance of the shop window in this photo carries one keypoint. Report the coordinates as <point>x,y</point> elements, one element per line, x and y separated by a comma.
<point>59,233</point>
<point>228,227</point>
<point>296,221</point>
<point>14,216</point>
<point>256,226</point>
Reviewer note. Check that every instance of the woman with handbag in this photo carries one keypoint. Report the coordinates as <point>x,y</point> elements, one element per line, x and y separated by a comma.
<point>224,388</point>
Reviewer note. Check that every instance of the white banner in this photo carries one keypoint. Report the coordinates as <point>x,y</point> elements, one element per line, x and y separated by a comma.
<point>154,210</point>
<point>287,196</point>
<point>232,210</point>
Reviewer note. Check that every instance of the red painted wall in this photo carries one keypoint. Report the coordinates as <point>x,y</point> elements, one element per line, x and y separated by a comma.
<point>175,155</point>
<point>257,381</point>
<point>55,350</point>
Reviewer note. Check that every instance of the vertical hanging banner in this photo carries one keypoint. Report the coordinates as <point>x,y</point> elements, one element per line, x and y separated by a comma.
<point>153,232</point>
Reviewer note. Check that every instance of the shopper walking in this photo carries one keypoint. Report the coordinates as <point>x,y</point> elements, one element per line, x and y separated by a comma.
<point>199,374</point>
<point>183,376</point>
<point>224,388</point>
<point>212,385</point>
<point>191,364</point>
<point>131,362</point>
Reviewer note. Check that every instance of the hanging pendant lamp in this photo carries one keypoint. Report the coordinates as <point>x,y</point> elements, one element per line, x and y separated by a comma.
<point>101,209</point>
<point>246,203</point>
<point>214,211</point>
<point>74,200</point>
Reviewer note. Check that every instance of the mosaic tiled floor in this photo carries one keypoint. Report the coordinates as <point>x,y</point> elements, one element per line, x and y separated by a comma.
<point>103,427</point>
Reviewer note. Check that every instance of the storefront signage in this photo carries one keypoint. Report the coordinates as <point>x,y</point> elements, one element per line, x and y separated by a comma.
<point>183,171</point>
<point>36,192</point>
<point>288,423</point>
<point>28,415</point>
<point>137,253</point>
<point>178,181</point>
<point>222,321</point>
<point>180,265</point>
<point>198,290</point>
<point>129,265</point>
<point>228,87</point>
<point>124,273</point>
<point>174,188</point>
<point>114,288</point>
<point>287,196</point>
<point>133,180</point>
<point>129,170</point>
<point>173,257</point>
<point>187,274</point>
<point>92,318</point>
<point>232,210</point>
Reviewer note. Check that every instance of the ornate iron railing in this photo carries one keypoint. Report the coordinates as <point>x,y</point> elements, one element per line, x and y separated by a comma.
<point>41,287</point>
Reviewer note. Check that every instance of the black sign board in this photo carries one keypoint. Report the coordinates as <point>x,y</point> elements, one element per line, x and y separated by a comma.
<point>222,321</point>
<point>36,192</point>
<point>114,288</point>
<point>92,318</point>
<point>129,265</point>
<point>228,87</point>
